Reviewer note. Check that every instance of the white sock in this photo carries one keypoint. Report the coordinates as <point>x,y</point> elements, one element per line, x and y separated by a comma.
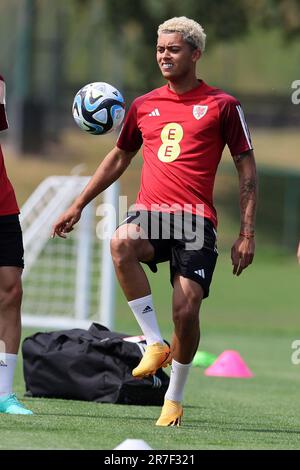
<point>178,378</point>
<point>145,315</point>
<point>7,370</point>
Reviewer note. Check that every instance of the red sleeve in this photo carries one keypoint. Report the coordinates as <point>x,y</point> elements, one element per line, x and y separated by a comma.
<point>130,138</point>
<point>3,118</point>
<point>234,127</point>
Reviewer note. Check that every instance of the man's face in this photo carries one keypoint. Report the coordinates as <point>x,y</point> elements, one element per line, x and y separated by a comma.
<point>175,57</point>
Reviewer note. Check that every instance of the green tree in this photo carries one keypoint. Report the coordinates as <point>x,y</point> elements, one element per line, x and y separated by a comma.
<point>131,26</point>
<point>135,24</point>
<point>280,14</point>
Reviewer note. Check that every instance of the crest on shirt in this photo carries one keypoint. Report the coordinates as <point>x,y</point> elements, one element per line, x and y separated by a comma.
<point>199,111</point>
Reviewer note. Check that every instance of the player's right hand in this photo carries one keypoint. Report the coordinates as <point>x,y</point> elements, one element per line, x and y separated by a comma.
<point>65,222</point>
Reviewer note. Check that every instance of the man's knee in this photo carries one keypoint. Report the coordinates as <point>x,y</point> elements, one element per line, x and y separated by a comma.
<point>186,313</point>
<point>11,294</point>
<point>122,249</point>
<point>128,244</point>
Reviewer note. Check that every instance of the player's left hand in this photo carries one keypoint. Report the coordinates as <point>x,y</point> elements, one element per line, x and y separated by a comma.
<point>242,254</point>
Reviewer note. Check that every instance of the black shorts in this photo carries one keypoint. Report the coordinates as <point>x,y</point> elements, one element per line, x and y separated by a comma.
<point>191,252</point>
<point>11,242</point>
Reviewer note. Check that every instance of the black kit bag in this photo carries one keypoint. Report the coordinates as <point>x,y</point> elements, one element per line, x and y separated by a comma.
<point>92,365</point>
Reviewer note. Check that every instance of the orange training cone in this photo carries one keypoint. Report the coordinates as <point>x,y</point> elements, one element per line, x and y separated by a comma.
<point>229,364</point>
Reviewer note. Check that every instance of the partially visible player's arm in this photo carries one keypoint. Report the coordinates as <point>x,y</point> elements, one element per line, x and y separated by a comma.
<point>298,253</point>
<point>246,167</point>
<point>3,117</point>
<point>242,252</point>
<point>109,170</point>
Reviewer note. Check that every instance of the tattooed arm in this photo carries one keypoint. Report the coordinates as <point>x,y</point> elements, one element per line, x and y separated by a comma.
<point>242,252</point>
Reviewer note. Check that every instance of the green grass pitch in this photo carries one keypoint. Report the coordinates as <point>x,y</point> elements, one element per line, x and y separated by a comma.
<point>256,314</point>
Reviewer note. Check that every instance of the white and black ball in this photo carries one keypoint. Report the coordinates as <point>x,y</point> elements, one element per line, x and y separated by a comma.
<point>98,108</point>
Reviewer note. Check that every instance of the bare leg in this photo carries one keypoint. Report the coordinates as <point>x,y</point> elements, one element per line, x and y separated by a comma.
<point>10,307</point>
<point>187,297</point>
<point>10,333</point>
<point>128,249</point>
<point>127,252</point>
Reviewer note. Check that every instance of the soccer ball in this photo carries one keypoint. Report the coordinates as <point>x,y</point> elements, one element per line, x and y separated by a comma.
<point>98,108</point>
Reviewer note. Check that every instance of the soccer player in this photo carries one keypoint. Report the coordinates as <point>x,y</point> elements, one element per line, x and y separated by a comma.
<point>183,127</point>
<point>11,266</point>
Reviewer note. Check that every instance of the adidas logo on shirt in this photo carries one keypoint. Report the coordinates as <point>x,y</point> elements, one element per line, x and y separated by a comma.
<point>200,273</point>
<point>155,112</point>
<point>2,364</point>
<point>147,309</point>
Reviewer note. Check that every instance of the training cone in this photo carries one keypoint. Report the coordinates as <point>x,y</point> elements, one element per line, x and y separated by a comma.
<point>203,359</point>
<point>229,364</point>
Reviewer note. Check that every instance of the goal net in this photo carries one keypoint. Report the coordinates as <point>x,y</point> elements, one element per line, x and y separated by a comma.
<point>67,283</point>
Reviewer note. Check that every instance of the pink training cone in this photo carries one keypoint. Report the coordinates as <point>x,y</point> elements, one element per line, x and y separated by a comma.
<point>229,364</point>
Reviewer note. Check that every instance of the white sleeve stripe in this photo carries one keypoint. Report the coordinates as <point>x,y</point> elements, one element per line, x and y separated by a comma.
<point>242,115</point>
<point>244,126</point>
<point>2,92</point>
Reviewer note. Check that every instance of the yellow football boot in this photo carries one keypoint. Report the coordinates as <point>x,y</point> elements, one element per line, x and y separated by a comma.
<point>156,355</point>
<point>171,414</point>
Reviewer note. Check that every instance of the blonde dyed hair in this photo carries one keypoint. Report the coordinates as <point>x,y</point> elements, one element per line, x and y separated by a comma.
<point>191,31</point>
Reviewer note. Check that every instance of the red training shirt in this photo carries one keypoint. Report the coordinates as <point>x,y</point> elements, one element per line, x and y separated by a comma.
<point>8,203</point>
<point>183,138</point>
